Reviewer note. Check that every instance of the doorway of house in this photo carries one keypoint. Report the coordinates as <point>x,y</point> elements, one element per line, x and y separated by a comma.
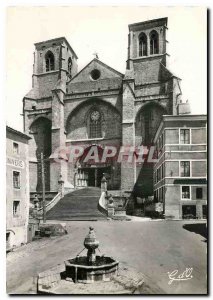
<point>189,211</point>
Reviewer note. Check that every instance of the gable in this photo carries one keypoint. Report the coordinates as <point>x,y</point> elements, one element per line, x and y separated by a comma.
<point>95,64</point>
<point>95,76</point>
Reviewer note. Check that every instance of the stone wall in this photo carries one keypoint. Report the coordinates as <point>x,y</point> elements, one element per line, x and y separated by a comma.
<point>148,71</point>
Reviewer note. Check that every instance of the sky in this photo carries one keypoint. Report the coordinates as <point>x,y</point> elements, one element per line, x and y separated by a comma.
<point>103,30</point>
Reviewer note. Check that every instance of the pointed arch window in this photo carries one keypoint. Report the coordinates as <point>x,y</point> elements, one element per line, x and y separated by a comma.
<point>154,43</point>
<point>69,65</point>
<point>50,61</point>
<point>95,124</point>
<point>142,45</point>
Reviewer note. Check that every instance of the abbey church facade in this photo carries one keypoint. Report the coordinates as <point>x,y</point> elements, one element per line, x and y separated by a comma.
<point>98,106</point>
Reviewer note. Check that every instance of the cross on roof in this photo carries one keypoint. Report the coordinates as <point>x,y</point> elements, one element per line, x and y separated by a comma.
<point>96,55</point>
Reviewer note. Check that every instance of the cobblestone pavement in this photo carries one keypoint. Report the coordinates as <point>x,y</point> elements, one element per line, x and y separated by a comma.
<point>153,248</point>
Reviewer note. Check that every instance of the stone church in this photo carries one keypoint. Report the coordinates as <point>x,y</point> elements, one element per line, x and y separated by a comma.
<point>98,106</point>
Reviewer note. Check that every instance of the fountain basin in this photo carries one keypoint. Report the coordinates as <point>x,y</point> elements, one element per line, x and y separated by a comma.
<point>80,271</point>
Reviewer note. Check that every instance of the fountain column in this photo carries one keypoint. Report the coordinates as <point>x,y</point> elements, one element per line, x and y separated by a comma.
<point>91,243</point>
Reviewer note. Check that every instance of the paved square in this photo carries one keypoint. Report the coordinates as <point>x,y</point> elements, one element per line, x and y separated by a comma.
<point>153,248</point>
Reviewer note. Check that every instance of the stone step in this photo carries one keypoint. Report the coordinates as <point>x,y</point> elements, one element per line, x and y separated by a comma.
<point>79,205</point>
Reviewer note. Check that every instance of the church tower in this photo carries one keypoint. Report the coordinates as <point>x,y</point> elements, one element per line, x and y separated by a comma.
<point>55,63</point>
<point>58,111</point>
<point>53,60</point>
<point>150,90</point>
<point>147,49</point>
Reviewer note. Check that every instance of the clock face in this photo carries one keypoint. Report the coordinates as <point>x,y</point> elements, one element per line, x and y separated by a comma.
<point>95,115</point>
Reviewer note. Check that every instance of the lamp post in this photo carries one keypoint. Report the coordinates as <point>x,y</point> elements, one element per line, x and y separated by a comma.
<point>43,188</point>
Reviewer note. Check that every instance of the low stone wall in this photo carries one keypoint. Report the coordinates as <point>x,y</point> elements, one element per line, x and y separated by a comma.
<point>50,229</point>
<point>120,212</point>
<point>52,203</point>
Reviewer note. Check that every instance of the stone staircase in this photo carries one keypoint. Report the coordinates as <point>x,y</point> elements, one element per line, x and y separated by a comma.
<point>78,205</point>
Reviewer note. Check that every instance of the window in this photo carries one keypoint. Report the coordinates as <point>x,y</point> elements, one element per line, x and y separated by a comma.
<point>185,136</point>
<point>69,65</point>
<point>199,193</point>
<point>16,208</point>
<point>160,142</point>
<point>162,171</point>
<point>95,74</point>
<point>15,148</point>
<point>154,43</point>
<point>142,45</point>
<point>161,194</point>
<point>158,174</point>
<point>95,124</point>
<point>185,168</point>
<point>204,209</point>
<point>16,180</point>
<point>185,193</point>
<point>50,61</point>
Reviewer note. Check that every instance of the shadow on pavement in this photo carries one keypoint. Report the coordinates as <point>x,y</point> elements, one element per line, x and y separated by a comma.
<point>199,228</point>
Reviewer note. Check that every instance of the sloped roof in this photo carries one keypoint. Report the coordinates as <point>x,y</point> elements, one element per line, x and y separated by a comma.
<point>17,132</point>
<point>169,73</point>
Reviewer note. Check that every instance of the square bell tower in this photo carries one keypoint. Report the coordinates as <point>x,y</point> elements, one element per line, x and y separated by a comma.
<point>53,59</point>
<point>147,49</point>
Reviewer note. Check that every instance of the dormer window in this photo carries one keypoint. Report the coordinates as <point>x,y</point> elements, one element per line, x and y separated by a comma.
<point>69,65</point>
<point>142,45</point>
<point>50,61</point>
<point>154,43</point>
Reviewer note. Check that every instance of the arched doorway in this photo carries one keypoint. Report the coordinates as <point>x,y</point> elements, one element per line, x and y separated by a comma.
<point>148,121</point>
<point>90,171</point>
<point>41,129</point>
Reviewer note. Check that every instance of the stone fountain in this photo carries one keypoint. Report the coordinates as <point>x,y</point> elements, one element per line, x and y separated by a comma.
<point>90,274</point>
<point>91,268</point>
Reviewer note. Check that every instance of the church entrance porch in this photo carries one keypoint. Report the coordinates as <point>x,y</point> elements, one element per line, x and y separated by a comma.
<point>91,176</point>
<point>88,169</point>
